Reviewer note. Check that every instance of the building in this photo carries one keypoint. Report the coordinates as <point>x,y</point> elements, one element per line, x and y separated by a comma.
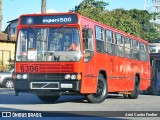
<point>12,27</point>
<point>155,67</point>
<point>154,47</point>
<point>7,46</point>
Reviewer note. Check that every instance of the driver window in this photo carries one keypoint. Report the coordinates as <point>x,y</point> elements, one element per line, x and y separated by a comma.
<point>88,42</point>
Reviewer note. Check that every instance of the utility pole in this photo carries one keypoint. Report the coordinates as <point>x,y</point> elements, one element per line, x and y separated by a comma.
<point>0,16</point>
<point>43,6</point>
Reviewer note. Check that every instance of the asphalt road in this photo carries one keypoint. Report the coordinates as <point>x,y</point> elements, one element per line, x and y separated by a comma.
<point>71,105</point>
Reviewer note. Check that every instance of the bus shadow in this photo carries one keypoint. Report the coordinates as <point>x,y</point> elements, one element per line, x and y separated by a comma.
<point>82,99</point>
<point>8,97</point>
<point>115,96</point>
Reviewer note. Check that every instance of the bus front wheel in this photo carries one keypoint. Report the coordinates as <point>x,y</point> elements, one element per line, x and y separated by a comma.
<point>48,99</point>
<point>102,91</point>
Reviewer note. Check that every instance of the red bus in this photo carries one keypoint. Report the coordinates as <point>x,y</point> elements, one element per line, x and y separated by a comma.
<point>66,53</point>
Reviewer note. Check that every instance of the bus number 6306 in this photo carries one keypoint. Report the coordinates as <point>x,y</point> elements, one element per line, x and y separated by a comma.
<point>26,68</point>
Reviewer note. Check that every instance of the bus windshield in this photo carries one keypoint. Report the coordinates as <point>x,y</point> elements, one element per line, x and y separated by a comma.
<point>48,44</point>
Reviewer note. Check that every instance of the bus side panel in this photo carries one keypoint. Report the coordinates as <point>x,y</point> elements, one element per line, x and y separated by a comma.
<point>129,74</point>
<point>114,82</point>
<point>120,79</point>
<point>89,84</point>
<point>110,69</point>
<point>89,79</point>
<point>120,75</point>
<point>145,76</point>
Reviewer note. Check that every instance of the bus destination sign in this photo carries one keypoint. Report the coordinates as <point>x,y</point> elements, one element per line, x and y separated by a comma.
<point>50,19</point>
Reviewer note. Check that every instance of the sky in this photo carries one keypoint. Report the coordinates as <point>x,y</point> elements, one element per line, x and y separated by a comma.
<point>12,9</point>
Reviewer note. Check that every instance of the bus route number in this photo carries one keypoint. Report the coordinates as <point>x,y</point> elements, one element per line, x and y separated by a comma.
<point>26,68</point>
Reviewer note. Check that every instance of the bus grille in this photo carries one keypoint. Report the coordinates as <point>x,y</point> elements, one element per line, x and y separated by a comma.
<point>44,85</point>
<point>35,77</point>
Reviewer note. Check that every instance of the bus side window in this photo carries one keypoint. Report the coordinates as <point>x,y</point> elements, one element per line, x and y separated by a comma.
<point>119,45</point>
<point>110,46</point>
<point>99,39</point>
<point>128,47</point>
<point>88,41</point>
<point>136,50</point>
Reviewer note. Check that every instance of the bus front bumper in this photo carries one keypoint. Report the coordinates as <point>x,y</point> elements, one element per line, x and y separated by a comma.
<point>49,86</point>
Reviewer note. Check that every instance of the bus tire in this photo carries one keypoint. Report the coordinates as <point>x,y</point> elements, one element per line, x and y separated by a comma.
<point>125,96</point>
<point>102,91</point>
<point>48,99</point>
<point>135,92</point>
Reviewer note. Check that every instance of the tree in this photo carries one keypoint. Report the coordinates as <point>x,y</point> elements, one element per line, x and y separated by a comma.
<point>43,6</point>
<point>135,22</point>
<point>90,5</point>
<point>123,21</point>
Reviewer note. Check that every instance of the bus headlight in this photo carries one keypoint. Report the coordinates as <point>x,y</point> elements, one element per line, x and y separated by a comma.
<point>73,77</point>
<point>68,76</point>
<point>24,76</point>
<point>19,76</point>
